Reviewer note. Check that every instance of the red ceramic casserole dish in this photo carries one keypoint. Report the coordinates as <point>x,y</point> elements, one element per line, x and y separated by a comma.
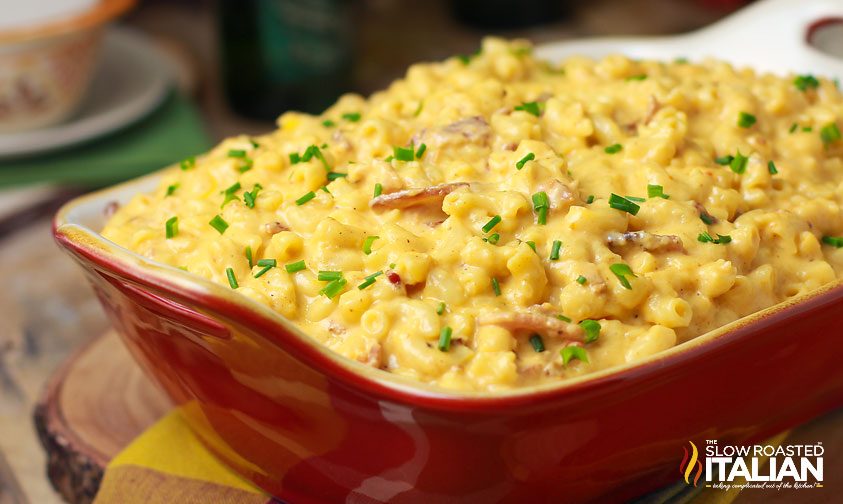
<point>309,426</point>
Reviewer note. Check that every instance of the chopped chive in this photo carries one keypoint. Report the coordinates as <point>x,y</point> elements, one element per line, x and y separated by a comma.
<point>493,238</point>
<point>419,109</point>
<point>336,175</point>
<point>420,151</point>
<point>305,198</point>
<point>219,224</point>
<point>328,123</point>
<point>233,188</point>
<point>188,163</point>
<point>592,330</point>
<point>636,199</point>
<point>237,153</point>
<point>771,167</point>
<point>613,149</point>
<point>623,204</point>
<point>590,199</point>
<point>295,158</point>
<point>563,318</point>
<point>294,267</point>
<point>171,227</point>
<point>249,256</point>
<point>793,127</point>
<point>440,308</point>
<point>246,166</point>
<point>521,162</point>
<point>262,271</point>
<point>738,164</point>
<point>621,271</point>
<point>834,241</point>
<point>746,120</point>
<point>367,244</point>
<point>491,224</point>
<point>656,191</point>
<point>351,116</point>
<point>681,60</point>
<point>705,237</point>
<point>327,276</point>
<point>404,153</point>
<point>369,280</point>
<point>255,145</point>
<point>171,189</point>
<point>537,343</point>
<point>581,280</point>
<point>249,197</point>
<point>534,108</point>
<point>554,250</point>
<point>324,189</point>
<point>724,160</point>
<point>541,204</point>
<point>638,77</point>
<point>445,339</point>
<point>532,245</point>
<point>334,288</point>
<point>311,152</point>
<point>389,159</point>
<point>378,190</point>
<point>707,217</point>
<point>268,262</point>
<point>807,129</point>
<point>232,280</point>
<point>496,286</point>
<point>829,134</point>
<point>805,82</point>
<point>573,352</point>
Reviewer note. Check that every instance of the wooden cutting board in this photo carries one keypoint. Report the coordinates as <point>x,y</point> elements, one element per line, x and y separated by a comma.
<point>91,409</point>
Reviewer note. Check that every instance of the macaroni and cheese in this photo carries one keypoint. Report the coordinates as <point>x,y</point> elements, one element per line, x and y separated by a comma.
<point>494,221</point>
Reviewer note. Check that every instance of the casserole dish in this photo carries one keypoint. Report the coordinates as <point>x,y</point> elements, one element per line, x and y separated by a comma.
<point>309,426</point>
<point>46,65</point>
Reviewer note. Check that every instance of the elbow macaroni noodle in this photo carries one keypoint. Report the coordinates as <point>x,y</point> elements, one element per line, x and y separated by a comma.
<point>747,220</point>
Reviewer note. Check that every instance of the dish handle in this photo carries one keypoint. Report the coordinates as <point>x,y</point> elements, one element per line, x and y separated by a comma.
<point>804,36</point>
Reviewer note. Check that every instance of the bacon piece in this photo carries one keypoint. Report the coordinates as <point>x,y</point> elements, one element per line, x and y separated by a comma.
<point>653,106</point>
<point>373,357</point>
<point>110,209</point>
<point>533,321</point>
<point>560,194</point>
<point>273,228</point>
<point>471,129</point>
<point>404,198</point>
<point>648,241</point>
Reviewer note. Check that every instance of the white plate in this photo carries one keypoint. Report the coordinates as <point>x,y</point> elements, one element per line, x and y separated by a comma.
<point>131,80</point>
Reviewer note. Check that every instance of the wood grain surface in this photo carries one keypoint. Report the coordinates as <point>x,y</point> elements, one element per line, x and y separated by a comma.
<point>91,409</point>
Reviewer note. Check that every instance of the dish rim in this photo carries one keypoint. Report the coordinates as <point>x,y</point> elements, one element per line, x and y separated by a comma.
<point>100,13</point>
<point>174,284</point>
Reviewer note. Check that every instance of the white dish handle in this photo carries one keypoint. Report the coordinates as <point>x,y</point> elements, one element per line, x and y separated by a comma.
<point>769,36</point>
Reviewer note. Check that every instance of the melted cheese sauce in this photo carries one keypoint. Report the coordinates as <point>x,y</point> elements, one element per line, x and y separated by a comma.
<point>729,238</point>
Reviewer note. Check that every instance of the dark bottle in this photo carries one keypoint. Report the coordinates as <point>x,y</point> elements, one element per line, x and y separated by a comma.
<point>280,55</point>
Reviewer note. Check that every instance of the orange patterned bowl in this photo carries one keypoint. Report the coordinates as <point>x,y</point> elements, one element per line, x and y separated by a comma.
<point>310,426</point>
<point>45,68</point>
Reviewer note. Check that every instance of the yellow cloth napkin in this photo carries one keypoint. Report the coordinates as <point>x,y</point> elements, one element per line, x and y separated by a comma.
<point>167,464</point>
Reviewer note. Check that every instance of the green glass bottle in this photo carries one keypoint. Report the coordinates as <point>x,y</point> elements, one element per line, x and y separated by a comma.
<point>280,55</point>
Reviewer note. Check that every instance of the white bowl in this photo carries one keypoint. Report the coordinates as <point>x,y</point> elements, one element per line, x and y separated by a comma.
<point>45,68</point>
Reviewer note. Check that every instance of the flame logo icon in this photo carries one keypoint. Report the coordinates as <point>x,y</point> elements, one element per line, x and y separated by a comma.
<point>686,467</point>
